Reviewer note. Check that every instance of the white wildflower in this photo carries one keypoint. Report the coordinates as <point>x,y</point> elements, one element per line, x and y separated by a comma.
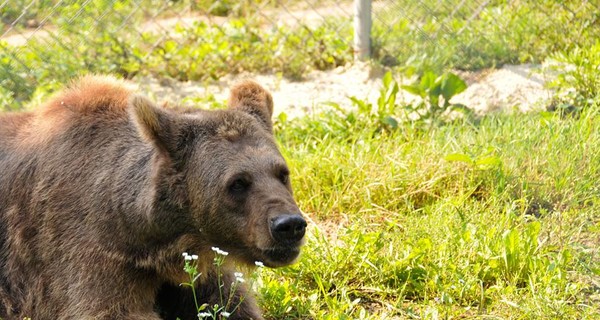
<point>239,277</point>
<point>194,257</point>
<point>225,314</point>
<point>204,314</point>
<point>219,251</point>
<point>259,264</point>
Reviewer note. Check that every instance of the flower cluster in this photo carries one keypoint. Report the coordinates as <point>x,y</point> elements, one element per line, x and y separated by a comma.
<point>188,257</point>
<point>219,251</point>
<point>205,314</point>
<point>239,277</point>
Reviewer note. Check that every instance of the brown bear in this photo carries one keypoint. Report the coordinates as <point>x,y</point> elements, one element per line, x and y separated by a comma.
<point>101,191</point>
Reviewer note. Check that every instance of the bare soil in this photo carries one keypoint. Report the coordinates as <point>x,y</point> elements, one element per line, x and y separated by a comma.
<point>510,88</point>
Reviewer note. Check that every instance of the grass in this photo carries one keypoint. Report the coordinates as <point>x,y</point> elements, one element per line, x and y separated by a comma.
<point>401,229</point>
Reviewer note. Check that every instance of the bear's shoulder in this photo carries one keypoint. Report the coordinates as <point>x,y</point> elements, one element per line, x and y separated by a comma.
<point>88,100</point>
<point>89,95</point>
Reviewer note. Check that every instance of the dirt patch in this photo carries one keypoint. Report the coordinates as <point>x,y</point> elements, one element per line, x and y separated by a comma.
<point>510,88</point>
<point>293,97</point>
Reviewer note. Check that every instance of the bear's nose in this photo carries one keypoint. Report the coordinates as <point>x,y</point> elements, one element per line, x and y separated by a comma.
<point>288,228</point>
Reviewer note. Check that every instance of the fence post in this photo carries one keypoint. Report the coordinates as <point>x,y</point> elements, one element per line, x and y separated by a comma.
<point>362,29</point>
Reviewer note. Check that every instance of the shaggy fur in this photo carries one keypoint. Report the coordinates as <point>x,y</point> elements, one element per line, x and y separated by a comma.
<point>101,192</point>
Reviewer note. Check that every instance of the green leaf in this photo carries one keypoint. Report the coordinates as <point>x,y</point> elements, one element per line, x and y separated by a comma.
<point>533,230</point>
<point>170,46</point>
<point>389,105</point>
<point>414,89</point>
<point>451,85</point>
<point>393,123</point>
<point>435,91</point>
<point>363,106</point>
<point>282,117</point>
<point>427,83</point>
<point>387,79</point>
<point>391,94</point>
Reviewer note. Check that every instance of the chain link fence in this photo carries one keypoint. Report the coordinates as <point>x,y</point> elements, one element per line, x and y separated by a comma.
<point>45,42</point>
<point>474,34</point>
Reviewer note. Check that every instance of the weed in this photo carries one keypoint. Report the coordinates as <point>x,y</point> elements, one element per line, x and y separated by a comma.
<point>433,106</point>
<point>227,304</point>
<point>578,80</point>
<point>435,93</point>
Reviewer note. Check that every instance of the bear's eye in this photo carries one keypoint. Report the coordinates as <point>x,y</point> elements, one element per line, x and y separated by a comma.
<point>239,186</point>
<point>284,176</point>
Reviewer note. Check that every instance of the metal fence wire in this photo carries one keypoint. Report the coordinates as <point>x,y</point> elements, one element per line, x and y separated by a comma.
<point>478,32</point>
<point>45,42</point>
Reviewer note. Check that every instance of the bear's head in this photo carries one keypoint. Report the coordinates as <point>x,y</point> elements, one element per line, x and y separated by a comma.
<point>222,176</point>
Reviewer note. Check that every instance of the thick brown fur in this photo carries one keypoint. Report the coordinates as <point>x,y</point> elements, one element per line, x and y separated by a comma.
<point>101,192</point>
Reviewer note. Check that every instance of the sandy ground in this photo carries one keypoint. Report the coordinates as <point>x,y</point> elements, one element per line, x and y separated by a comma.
<point>511,88</point>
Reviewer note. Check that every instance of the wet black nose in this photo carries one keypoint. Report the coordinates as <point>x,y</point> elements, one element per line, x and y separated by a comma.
<point>288,227</point>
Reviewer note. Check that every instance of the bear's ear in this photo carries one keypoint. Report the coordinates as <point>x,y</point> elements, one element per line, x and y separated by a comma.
<point>156,125</point>
<point>250,97</point>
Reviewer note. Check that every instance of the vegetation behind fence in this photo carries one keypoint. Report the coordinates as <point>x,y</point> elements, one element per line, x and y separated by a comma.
<point>45,42</point>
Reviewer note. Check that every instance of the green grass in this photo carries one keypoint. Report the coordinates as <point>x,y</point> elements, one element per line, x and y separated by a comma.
<point>402,229</point>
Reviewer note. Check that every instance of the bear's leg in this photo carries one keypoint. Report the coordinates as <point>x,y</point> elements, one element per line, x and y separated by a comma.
<point>115,311</point>
<point>113,291</point>
<point>175,302</point>
<point>112,316</point>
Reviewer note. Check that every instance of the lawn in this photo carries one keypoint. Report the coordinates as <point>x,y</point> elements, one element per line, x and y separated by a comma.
<point>496,218</point>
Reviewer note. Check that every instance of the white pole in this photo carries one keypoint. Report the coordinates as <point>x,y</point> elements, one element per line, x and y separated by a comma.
<point>362,29</point>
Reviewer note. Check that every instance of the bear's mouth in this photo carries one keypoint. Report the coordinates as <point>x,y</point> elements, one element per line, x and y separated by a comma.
<point>280,256</point>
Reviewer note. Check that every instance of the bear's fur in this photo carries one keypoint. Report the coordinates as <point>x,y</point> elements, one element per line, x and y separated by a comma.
<point>101,192</point>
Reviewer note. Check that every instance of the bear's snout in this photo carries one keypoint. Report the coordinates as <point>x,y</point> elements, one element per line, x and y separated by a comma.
<point>288,228</point>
